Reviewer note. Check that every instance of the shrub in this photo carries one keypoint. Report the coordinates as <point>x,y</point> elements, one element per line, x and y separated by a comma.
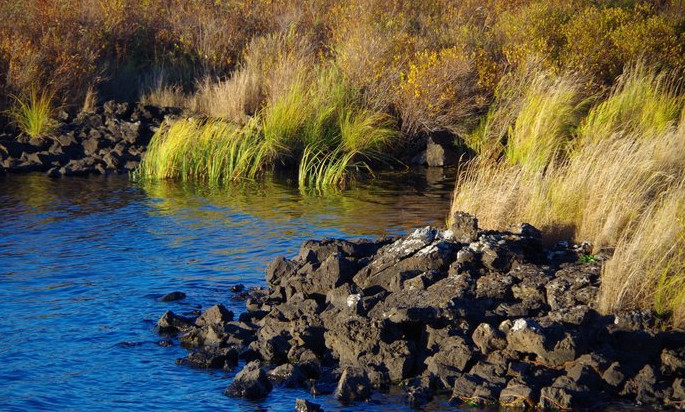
<point>589,47</point>
<point>371,55</point>
<point>601,40</point>
<point>439,92</point>
<point>534,29</point>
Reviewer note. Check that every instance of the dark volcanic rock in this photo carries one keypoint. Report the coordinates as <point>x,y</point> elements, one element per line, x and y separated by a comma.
<point>112,138</point>
<point>464,227</point>
<point>172,323</point>
<point>483,314</point>
<point>250,383</point>
<point>440,151</point>
<point>419,391</point>
<point>172,296</point>
<point>354,385</point>
<point>212,358</point>
<point>455,355</point>
<point>217,315</point>
<point>302,405</point>
<point>287,375</point>
<point>519,395</point>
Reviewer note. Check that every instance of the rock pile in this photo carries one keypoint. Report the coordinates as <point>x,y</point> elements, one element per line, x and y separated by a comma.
<point>109,140</point>
<point>488,317</point>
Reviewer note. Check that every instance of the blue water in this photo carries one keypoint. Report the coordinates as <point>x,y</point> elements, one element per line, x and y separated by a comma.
<point>83,261</point>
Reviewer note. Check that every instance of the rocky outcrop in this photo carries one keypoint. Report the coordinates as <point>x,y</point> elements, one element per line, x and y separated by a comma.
<point>488,317</point>
<point>111,139</point>
<point>250,383</point>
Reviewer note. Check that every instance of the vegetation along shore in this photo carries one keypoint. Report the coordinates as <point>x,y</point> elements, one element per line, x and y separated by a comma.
<point>568,115</point>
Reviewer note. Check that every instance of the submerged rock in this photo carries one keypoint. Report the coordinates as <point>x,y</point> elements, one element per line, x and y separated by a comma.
<point>172,296</point>
<point>212,358</point>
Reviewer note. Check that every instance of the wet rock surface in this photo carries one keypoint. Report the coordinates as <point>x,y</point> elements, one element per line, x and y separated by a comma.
<point>486,317</point>
<point>111,139</point>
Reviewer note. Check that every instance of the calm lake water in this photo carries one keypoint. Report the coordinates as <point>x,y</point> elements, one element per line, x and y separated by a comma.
<point>83,261</point>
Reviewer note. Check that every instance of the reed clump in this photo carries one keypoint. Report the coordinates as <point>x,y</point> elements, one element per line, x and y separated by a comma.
<point>316,126</point>
<point>34,114</point>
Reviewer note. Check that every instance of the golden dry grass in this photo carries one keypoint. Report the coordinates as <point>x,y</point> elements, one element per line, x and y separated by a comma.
<point>614,191</point>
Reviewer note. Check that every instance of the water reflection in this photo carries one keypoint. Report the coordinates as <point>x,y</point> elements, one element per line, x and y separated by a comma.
<point>392,202</point>
<point>52,199</point>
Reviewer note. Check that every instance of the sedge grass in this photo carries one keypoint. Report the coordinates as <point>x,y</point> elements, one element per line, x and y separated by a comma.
<point>33,115</point>
<point>648,268</point>
<point>642,100</point>
<point>544,125</point>
<point>323,169</point>
<point>215,151</point>
<point>315,125</point>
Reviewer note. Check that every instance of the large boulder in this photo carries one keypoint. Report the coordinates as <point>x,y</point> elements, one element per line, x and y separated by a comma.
<point>250,383</point>
<point>173,323</point>
<point>354,385</point>
<point>217,315</point>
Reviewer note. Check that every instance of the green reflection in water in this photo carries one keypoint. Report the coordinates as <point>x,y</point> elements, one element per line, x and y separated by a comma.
<point>392,202</point>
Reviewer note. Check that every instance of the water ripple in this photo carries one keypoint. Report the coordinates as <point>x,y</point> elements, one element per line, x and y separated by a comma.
<point>82,262</point>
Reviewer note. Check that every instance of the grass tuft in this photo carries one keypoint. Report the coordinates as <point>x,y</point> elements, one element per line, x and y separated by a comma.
<point>33,115</point>
<point>649,264</point>
<point>214,151</point>
<point>642,101</point>
<point>315,125</point>
<point>545,123</point>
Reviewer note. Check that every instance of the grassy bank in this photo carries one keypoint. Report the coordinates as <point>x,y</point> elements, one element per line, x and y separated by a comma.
<point>573,109</point>
<point>612,173</point>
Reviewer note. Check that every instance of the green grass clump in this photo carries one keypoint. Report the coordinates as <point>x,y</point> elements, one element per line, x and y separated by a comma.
<point>314,125</point>
<point>642,100</point>
<point>532,120</point>
<point>544,125</point>
<point>214,150</point>
<point>33,115</point>
<point>359,137</point>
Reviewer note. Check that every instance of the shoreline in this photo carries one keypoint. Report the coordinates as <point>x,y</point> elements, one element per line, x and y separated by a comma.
<point>110,139</point>
<point>490,317</point>
<point>113,137</point>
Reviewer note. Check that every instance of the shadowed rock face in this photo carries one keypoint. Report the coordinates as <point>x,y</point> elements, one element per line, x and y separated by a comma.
<point>109,140</point>
<point>491,317</point>
<point>250,383</point>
